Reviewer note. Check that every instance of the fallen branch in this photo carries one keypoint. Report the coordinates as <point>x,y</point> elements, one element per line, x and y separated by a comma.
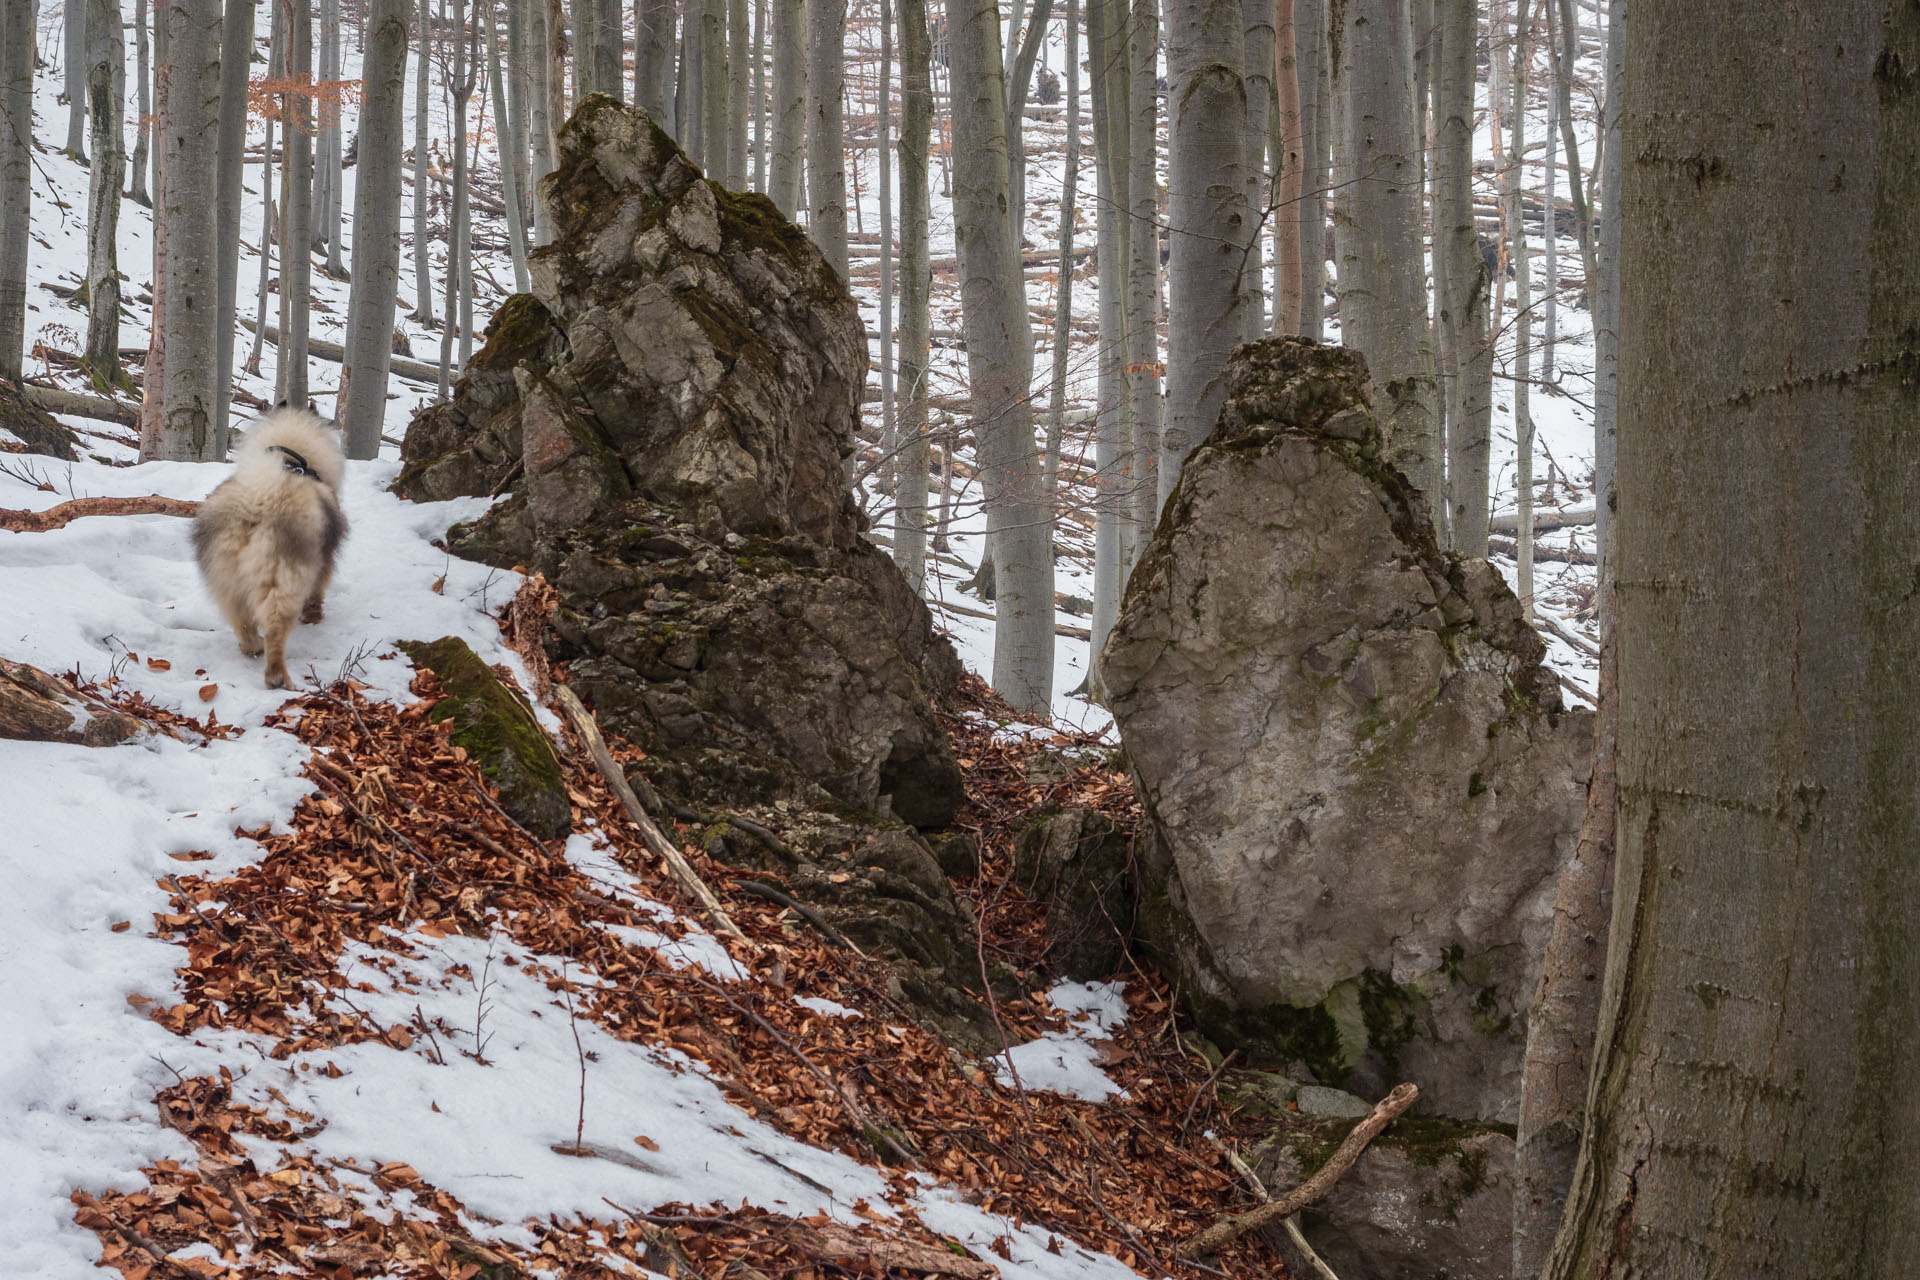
<point>334,353</point>
<point>1313,1189</point>
<point>1565,555</point>
<point>1544,520</point>
<point>99,408</point>
<point>657,843</point>
<point>1292,1224</point>
<point>1579,642</point>
<point>19,521</point>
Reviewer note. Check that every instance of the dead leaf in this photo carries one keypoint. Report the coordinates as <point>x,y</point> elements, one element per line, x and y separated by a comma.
<point>647,1142</point>
<point>439,586</point>
<point>159,664</point>
<point>207,692</point>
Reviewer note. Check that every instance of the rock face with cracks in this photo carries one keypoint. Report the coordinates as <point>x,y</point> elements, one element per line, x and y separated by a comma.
<point>671,409</point>
<point>1359,780</point>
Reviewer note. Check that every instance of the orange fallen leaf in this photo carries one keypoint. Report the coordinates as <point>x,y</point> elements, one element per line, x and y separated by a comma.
<point>644,1141</point>
<point>192,855</point>
<point>121,926</point>
<point>159,664</point>
<point>439,586</point>
<point>207,692</point>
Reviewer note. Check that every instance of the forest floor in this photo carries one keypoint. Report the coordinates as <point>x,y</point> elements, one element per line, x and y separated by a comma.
<point>250,1034</point>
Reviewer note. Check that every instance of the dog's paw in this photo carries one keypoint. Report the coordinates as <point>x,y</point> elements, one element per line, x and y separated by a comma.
<point>252,649</point>
<point>277,678</point>
<point>314,612</point>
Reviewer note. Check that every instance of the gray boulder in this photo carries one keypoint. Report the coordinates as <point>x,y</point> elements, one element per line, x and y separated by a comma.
<point>671,409</point>
<point>1359,781</point>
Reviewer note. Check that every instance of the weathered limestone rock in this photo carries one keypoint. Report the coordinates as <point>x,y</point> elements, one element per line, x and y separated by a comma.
<point>671,410</point>
<point>1359,781</point>
<point>1076,861</point>
<point>1427,1201</point>
<point>500,734</point>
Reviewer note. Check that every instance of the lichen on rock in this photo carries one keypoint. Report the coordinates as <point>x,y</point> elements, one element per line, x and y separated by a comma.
<point>1359,781</point>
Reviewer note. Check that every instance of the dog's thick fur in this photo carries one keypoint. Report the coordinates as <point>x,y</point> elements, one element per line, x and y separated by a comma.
<point>266,538</point>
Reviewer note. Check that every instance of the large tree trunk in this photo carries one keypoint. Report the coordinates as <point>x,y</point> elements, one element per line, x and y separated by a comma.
<point>1143,269</point>
<point>737,84</point>
<point>541,122</point>
<point>916,124</point>
<point>296,200</point>
<point>16,178</point>
<point>1310,73</point>
<point>1260,58</point>
<point>1288,159</point>
<point>190,132</point>
<point>236,59</point>
<point>376,231</point>
<point>609,50</point>
<point>106,60</point>
<point>789,104</point>
<point>1209,220</point>
<point>1110,435</point>
<point>826,152</point>
<point>653,29</point>
<point>999,361</point>
<point>1383,297</point>
<point>1463,311</point>
<point>73,18</point>
<point>713,89</point>
<point>1755,1090</point>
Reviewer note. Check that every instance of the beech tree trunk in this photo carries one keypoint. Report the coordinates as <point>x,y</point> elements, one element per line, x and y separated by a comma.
<point>737,83</point>
<point>540,123</point>
<point>1259,60</point>
<point>296,201</point>
<point>1463,311</point>
<point>460,84</point>
<point>999,362</point>
<point>916,125</point>
<point>142,146</point>
<point>236,59</point>
<point>422,184</point>
<point>826,152</point>
<point>503,133</point>
<point>1516,232</point>
<point>1606,320</point>
<point>1755,1089</point>
<point>106,58</point>
<point>1063,288</point>
<point>362,404</point>
<point>328,180</point>
<point>609,50</point>
<point>1144,368</point>
<point>190,132</point>
<point>1310,74</point>
<point>714,133</point>
<point>16,178</point>
<point>1112,503</point>
<point>1208,218</point>
<point>790,104</point>
<point>73,21</point>
<point>1289,190</point>
<point>759,93</point>
<point>653,29</point>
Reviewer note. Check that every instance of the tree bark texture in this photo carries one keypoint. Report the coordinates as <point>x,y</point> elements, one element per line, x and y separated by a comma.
<point>16,178</point>
<point>826,151</point>
<point>362,405</point>
<point>737,84</point>
<point>789,104</point>
<point>1288,188</point>
<point>1606,320</point>
<point>1144,368</point>
<point>73,21</point>
<point>236,37</point>
<point>653,25</point>
<point>1208,219</point>
<point>916,125</point>
<point>999,361</point>
<point>1063,276</point>
<point>1463,304</point>
<point>296,263</point>
<point>1522,260</point>
<point>329,203</point>
<point>190,133</point>
<point>540,121</point>
<point>1309,57</point>
<point>106,58</point>
<point>503,135</point>
<point>1111,503</point>
<point>1755,1086</point>
<point>142,145</point>
<point>1259,60</point>
<point>714,133</point>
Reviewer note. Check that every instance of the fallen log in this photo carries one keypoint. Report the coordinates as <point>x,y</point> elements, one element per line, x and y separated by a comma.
<point>1544,520</point>
<point>1313,1189</point>
<point>19,521</point>
<point>334,353</point>
<point>1562,555</point>
<point>98,408</point>
<point>36,707</point>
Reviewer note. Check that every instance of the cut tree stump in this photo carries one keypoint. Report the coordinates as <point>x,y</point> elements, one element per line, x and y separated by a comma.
<point>36,707</point>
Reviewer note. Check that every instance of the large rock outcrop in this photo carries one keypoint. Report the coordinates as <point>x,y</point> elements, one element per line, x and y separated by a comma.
<point>672,408</point>
<point>1358,775</point>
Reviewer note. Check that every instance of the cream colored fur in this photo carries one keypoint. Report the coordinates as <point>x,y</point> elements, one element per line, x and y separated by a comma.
<point>266,538</point>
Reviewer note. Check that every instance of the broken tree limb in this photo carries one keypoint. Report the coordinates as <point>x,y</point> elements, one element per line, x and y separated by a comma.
<point>54,400</point>
<point>36,707</point>
<point>1544,520</point>
<point>19,521</point>
<point>334,353</point>
<point>1565,555</point>
<point>1313,1189</point>
<point>650,834</point>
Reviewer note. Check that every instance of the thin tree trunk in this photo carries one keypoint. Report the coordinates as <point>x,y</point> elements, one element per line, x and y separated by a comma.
<point>190,130</point>
<point>459,264</point>
<point>759,108</point>
<point>653,30</point>
<point>327,183</point>
<point>789,104</point>
<point>714,133</point>
<point>686,101</point>
<point>362,404</point>
<point>1563,55</point>
<point>540,109</point>
<point>106,58</point>
<point>1754,1087</point>
<point>1464,306</point>
<point>296,265</point>
<point>276,58</point>
<point>585,15</point>
<point>999,362</point>
<point>1259,61</point>
<point>609,50</point>
<point>236,44</point>
<point>1208,219</point>
<point>422,184</point>
<point>826,152</point>
<point>738,159</point>
<point>1606,320</point>
<point>1310,74</point>
<point>154,375</point>
<point>142,148</point>
<point>509,190</point>
<point>889,442</point>
<point>916,123</point>
<point>1143,270</point>
<point>1019,82</point>
<point>1550,204</point>
<point>1290,189</point>
<point>1063,288</point>
<point>1112,505</point>
<point>1522,305</point>
<point>73,19</point>
<point>520,82</point>
<point>16,178</point>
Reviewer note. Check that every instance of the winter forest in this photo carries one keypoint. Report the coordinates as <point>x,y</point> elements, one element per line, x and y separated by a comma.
<point>1054,639</point>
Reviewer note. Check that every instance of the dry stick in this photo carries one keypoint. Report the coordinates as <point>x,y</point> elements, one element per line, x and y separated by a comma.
<point>20,521</point>
<point>650,834</point>
<point>1310,1191</point>
<point>1292,1224</point>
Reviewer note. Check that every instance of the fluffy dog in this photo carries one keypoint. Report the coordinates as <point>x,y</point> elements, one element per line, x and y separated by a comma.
<point>266,537</point>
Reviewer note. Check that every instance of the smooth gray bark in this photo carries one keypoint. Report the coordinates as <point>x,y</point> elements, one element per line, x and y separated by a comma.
<point>714,133</point>
<point>889,442</point>
<point>16,178</point>
<point>1309,44</point>
<point>999,362</point>
<point>540,122</point>
<point>1209,224</point>
<point>1144,367</point>
<point>138,166</point>
<point>1063,288</point>
<point>513,124</point>
<point>190,133</point>
<point>1563,53</point>
<point>106,59</point>
<point>737,84</point>
<point>329,155</point>
<point>296,206</point>
<point>759,107</point>
<point>459,286</point>
<point>1287,158</point>
<point>1516,233</point>
<point>1259,59</point>
<point>826,129</point>
<point>916,123</point>
<point>1463,311</point>
<point>73,19</point>
<point>584,16</point>
<point>789,105</point>
<point>422,184</point>
<point>236,65</point>
<point>269,222</point>
<point>361,408</point>
<point>1383,296</point>
<point>1550,201</point>
<point>1019,84</point>
<point>609,50</point>
<point>509,186</point>
<point>1755,1089</point>
<point>1606,321</point>
<point>1110,434</point>
<point>653,29</point>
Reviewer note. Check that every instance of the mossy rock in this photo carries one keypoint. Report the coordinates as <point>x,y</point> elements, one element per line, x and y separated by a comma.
<point>500,734</point>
